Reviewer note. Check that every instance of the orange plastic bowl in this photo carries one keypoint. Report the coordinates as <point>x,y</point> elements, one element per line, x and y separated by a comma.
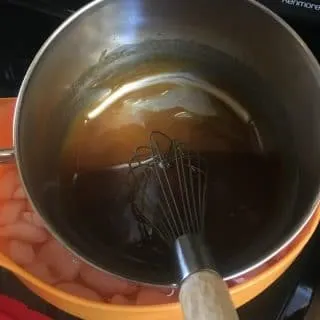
<point>242,289</point>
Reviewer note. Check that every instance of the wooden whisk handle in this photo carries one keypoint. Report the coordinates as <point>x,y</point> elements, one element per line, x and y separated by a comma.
<point>205,296</point>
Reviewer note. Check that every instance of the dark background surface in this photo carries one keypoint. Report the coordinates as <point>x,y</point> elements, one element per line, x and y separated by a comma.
<point>25,25</point>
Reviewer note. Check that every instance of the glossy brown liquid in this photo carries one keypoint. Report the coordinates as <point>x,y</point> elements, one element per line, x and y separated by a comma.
<point>241,180</point>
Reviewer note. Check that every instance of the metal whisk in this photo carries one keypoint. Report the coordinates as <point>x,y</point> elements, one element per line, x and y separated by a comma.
<point>176,179</point>
<point>169,199</point>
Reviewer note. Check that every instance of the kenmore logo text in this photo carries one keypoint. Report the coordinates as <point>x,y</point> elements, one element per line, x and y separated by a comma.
<point>302,4</point>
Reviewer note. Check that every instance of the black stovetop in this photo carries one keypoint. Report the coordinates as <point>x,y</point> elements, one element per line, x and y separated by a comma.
<point>24,25</point>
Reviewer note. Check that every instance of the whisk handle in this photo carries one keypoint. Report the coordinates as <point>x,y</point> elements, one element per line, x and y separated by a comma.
<point>205,296</point>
